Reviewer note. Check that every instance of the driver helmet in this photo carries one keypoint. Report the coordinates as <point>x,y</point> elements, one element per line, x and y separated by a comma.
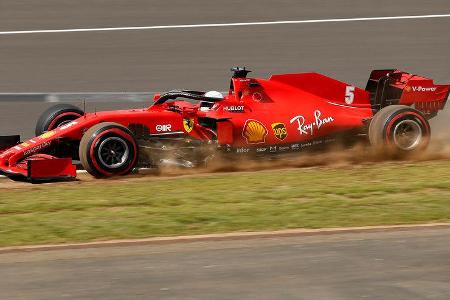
<point>214,94</point>
<point>205,105</point>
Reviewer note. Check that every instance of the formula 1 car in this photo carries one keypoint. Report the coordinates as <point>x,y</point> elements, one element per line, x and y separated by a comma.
<point>285,113</point>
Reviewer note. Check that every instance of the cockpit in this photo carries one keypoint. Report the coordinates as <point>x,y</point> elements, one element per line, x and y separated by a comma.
<point>207,99</point>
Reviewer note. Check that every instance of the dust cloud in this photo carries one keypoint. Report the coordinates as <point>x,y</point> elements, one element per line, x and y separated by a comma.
<point>340,156</point>
<point>359,154</point>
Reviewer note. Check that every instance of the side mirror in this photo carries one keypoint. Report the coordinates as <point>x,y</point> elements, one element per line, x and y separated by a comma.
<point>156,97</point>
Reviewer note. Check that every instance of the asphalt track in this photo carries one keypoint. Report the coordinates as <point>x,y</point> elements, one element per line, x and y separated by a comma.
<point>388,265</point>
<point>199,58</point>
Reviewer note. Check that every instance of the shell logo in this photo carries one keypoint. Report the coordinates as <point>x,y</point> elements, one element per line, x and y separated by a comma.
<point>254,132</point>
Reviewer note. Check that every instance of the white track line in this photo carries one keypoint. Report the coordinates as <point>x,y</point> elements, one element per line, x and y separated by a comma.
<point>222,24</point>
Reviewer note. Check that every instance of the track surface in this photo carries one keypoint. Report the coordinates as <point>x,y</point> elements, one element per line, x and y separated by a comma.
<point>395,265</point>
<point>199,58</point>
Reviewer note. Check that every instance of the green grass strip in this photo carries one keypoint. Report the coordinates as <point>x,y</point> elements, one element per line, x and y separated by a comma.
<point>384,194</point>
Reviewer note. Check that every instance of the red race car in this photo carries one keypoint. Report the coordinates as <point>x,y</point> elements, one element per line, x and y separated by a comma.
<point>285,113</point>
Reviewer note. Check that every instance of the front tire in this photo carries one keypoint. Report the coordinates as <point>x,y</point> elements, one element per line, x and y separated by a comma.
<point>399,129</point>
<point>57,116</point>
<point>108,149</point>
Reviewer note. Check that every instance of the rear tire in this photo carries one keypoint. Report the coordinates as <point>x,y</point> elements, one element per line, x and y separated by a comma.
<point>399,129</point>
<point>57,116</point>
<point>108,149</point>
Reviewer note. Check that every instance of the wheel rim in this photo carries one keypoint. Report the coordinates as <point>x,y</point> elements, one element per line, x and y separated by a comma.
<point>407,135</point>
<point>113,152</point>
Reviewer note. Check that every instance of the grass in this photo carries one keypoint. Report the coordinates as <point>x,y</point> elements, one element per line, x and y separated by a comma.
<point>389,193</point>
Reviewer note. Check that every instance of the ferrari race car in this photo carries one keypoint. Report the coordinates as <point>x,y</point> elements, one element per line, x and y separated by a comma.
<point>258,117</point>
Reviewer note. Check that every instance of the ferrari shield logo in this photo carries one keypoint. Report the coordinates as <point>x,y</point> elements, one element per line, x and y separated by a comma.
<point>279,130</point>
<point>188,125</point>
<point>254,132</point>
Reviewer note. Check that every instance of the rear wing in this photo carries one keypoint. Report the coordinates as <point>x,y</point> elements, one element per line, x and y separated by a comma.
<point>392,86</point>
